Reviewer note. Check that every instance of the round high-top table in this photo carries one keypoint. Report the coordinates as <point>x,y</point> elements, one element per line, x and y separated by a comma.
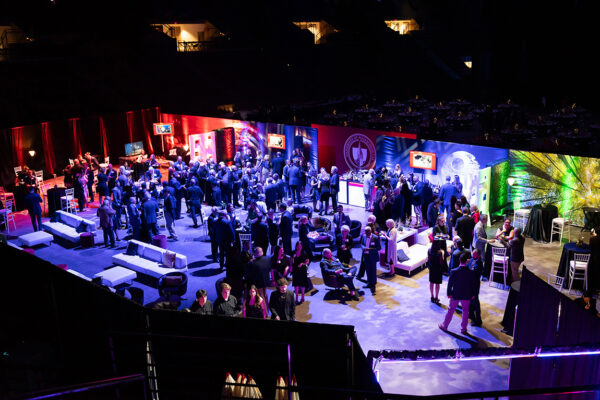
<point>568,254</point>
<point>539,224</point>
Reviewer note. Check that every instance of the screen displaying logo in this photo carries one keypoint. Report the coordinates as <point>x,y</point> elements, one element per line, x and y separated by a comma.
<point>359,152</point>
<point>163,129</point>
<point>276,141</point>
<point>422,160</point>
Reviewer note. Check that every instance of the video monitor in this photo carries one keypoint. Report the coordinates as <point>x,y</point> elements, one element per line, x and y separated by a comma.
<point>134,149</point>
<point>163,129</point>
<point>422,160</point>
<point>276,141</point>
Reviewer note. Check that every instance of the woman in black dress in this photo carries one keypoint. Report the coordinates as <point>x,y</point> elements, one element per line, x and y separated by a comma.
<point>254,305</point>
<point>102,186</point>
<point>406,193</point>
<point>436,266</point>
<point>303,230</point>
<point>314,192</point>
<point>324,190</point>
<point>378,207</point>
<point>280,264</point>
<point>300,261</point>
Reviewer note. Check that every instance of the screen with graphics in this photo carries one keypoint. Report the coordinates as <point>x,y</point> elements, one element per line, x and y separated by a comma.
<point>276,141</point>
<point>134,149</point>
<point>422,160</point>
<point>163,129</point>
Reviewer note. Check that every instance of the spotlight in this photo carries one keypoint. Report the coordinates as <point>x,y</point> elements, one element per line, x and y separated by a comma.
<point>32,153</point>
<point>510,181</point>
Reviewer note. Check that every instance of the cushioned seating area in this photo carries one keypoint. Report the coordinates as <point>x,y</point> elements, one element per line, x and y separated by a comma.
<point>35,238</point>
<point>423,239</point>
<point>149,260</point>
<point>69,226</point>
<point>417,256</point>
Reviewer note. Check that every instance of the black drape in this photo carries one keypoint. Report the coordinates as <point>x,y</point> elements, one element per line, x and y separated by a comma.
<point>7,173</point>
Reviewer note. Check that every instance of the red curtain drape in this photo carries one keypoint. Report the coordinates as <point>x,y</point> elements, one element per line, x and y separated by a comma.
<point>130,124</point>
<point>103,137</point>
<point>76,132</point>
<point>48,148</point>
<point>148,128</point>
<point>17,140</point>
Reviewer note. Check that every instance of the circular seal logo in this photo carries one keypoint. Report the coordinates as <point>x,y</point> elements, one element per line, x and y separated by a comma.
<point>359,152</point>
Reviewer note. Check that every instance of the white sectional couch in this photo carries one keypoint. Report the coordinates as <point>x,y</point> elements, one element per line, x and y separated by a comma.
<point>67,224</point>
<point>417,256</point>
<point>149,260</point>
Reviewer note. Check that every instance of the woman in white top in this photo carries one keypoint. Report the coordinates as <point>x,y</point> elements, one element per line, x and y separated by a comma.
<point>391,255</point>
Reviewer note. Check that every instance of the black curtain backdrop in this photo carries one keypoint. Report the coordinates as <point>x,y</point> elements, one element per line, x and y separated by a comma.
<point>7,173</point>
<point>547,317</point>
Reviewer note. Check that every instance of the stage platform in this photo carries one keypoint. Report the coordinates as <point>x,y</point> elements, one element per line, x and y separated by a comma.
<point>400,316</point>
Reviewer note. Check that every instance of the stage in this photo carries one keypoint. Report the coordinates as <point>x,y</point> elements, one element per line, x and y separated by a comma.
<point>400,316</point>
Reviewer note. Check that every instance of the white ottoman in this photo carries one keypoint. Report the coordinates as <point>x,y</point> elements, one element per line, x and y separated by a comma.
<point>35,238</point>
<point>115,276</point>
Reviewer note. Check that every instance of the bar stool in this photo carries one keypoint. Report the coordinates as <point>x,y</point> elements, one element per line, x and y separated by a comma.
<point>6,196</point>
<point>499,263</point>
<point>578,269</point>
<point>7,215</point>
<point>521,217</point>
<point>67,202</point>
<point>558,226</point>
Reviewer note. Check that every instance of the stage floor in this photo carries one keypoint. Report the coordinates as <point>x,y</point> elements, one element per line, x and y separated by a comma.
<point>399,317</point>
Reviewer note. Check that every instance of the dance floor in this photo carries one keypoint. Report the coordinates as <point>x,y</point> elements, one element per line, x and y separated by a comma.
<point>399,317</point>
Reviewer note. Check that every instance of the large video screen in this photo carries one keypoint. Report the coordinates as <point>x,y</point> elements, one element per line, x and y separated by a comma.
<point>134,149</point>
<point>163,129</point>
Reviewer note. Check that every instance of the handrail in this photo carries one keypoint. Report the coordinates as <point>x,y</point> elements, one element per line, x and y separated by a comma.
<point>84,387</point>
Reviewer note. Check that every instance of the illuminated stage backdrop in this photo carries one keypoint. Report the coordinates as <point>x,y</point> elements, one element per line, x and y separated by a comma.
<point>569,182</point>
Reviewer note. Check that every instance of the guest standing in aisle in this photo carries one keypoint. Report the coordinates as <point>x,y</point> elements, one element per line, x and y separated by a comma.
<point>32,204</point>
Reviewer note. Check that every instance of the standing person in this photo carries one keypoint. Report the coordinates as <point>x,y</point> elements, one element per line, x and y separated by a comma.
<point>340,219</point>
<point>80,186</point>
<point>278,164</point>
<point>170,214</point>
<point>344,245</point>
<point>101,185</point>
<point>446,192</point>
<point>254,305</point>
<point>271,193</point>
<point>134,218</point>
<point>280,264</point>
<point>464,227</point>
<point>300,261</point>
<point>294,182</point>
<point>258,272</point>
<point>427,198</point>
<point>476,267</point>
<point>286,179</point>
<point>202,305</point>
<point>480,235</point>
<point>406,193</point>
<point>179,193</point>
<point>105,213</point>
<point>397,206</point>
<point>32,204</point>
<point>324,187</point>
<point>314,194</point>
<point>224,236</point>
<point>281,303</point>
<point>334,188</point>
<point>436,262</point>
<point>417,200</point>
<point>368,185</point>
<point>149,211</point>
<point>391,247</point>
<point>458,185</point>
<point>117,203</point>
<point>273,229</point>
<point>460,290</point>
<point>226,304</point>
<point>370,255</point>
<point>259,232</point>
<point>211,224</point>
<point>196,195</point>
<point>286,229</point>
<point>517,255</point>
<point>433,212</point>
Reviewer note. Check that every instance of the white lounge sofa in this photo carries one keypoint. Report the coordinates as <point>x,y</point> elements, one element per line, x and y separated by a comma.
<point>67,224</point>
<point>149,260</point>
<point>417,256</point>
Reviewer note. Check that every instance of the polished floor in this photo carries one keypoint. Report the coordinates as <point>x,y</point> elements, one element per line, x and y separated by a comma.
<point>399,317</point>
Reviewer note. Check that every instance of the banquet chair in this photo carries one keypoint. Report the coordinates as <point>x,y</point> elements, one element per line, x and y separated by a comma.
<point>7,216</point>
<point>558,226</point>
<point>161,221</point>
<point>44,193</point>
<point>6,196</point>
<point>521,215</point>
<point>556,281</point>
<point>67,202</point>
<point>578,269</point>
<point>246,237</point>
<point>499,263</point>
<point>17,170</point>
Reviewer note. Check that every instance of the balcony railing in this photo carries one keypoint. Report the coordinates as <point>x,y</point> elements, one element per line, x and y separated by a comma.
<point>188,47</point>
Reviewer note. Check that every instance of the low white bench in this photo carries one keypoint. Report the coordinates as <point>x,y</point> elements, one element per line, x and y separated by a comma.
<point>115,276</point>
<point>35,238</point>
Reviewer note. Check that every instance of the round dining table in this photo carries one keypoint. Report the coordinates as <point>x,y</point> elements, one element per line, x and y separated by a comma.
<point>539,224</point>
<point>568,254</point>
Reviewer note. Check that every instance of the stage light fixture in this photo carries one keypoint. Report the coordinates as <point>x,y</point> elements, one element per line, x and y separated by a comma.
<point>510,181</point>
<point>32,153</point>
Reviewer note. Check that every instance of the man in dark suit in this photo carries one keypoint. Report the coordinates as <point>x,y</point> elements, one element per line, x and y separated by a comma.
<point>271,194</point>
<point>224,236</point>
<point>476,266</point>
<point>433,211</point>
<point>370,256</point>
<point>427,197</point>
<point>258,272</point>
<point>330,265</point>
<point>446,192</point>
<point>464,227</point>
<point>178,195</point>
<point>295,182</point>
<point>196,195</point>
<point>282,303</point>
<point>149,211</point>
<point>32,204</point>
<point>259,232</point>
<point>286,225</point>
<point>216,194</point>
<point>273,229</point>
<point>278,163</point>
<point>517,254</point>
<point>460,290</point>
<point>340,219</point>
<point>417,200</point>
<point>170,214</point>
<point>117,202</point>
<point>134,218</point>
<point>226,178</point>
<point>211,223</point>
<point>334,188</point>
